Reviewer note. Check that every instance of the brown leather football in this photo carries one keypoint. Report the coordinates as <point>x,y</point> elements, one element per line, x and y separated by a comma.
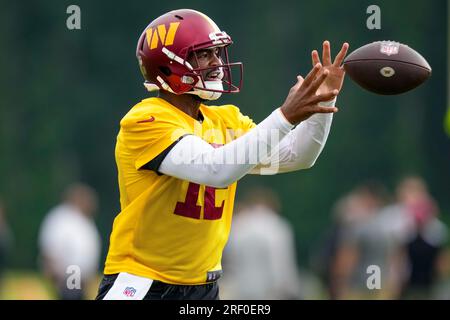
<point>387,67</point>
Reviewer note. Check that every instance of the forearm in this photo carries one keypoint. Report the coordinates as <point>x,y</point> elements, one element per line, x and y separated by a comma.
<point>307,143</point>
<point>302,146</point>
<point>195,160</point>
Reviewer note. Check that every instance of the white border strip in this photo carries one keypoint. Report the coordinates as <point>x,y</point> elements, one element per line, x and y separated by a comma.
<point>129,287</point>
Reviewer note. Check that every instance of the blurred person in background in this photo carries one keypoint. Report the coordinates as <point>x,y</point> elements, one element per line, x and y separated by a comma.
<point>324,254</point>
<point>365,240</point>
<point>441,288</point>
<point>68,237</point>
<point>425,244</point>
<point>5,243</point>
<point>261,251</point>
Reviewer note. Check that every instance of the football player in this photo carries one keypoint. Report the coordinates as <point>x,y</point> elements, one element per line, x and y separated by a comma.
<point>179,159</point>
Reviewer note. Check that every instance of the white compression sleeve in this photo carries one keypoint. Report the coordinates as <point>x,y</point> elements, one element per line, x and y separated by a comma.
<point>302,146</point>
<point>195,160</point>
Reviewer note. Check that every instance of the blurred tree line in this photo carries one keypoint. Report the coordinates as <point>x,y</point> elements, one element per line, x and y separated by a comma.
<point>63,93</point>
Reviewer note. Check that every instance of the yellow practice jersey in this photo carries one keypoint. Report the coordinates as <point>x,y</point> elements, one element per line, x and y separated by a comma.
<point>169,229</point>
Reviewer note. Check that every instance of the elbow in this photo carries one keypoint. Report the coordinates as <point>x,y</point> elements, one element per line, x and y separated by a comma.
<point>218,184</point>
<point>219,181</point>
<point>309,165</point>
<point>224,183</point>
<point>308,159</point>
<point>306,164</point>
<point>213,176</point>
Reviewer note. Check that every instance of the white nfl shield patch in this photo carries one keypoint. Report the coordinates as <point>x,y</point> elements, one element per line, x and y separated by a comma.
<point>389,47</point>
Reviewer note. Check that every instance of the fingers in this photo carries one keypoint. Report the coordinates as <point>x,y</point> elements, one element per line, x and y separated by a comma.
<point>299,82</point>
<point>325,96</point>
<point>341,55</point>
<point>325,109</point>
<point>318,81</point>
<point>326,53</point>
<point>318,109</point>
<point>312,74</point>
<point>315,57</point>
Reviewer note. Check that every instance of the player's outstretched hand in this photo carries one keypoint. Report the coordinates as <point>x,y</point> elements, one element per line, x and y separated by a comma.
<point>336,77</point>
<point>302,101</point>
<point>322,84</point>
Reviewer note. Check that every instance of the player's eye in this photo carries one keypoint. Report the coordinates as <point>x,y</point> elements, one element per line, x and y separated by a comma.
<point>202,54</point>
<point>208,53</point>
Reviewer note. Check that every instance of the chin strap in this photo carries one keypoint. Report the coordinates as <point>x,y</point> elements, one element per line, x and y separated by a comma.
<point>206,94</point>
<point>203,94</point>
<point>151,86</point>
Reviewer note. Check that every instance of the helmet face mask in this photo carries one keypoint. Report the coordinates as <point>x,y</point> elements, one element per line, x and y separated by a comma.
<point>214,79</point>
<point>167,54</point>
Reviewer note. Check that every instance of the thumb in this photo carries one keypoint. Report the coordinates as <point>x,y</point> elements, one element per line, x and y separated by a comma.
<point>299,82</point>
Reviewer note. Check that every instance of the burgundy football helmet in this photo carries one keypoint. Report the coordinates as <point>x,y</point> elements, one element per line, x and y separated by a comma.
<point>167,42</point>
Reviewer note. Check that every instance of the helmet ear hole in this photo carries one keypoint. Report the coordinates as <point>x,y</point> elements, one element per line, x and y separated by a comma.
<point>165,70</point>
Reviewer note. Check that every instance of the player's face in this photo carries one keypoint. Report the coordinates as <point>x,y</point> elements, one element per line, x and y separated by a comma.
<point>208,58</point>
